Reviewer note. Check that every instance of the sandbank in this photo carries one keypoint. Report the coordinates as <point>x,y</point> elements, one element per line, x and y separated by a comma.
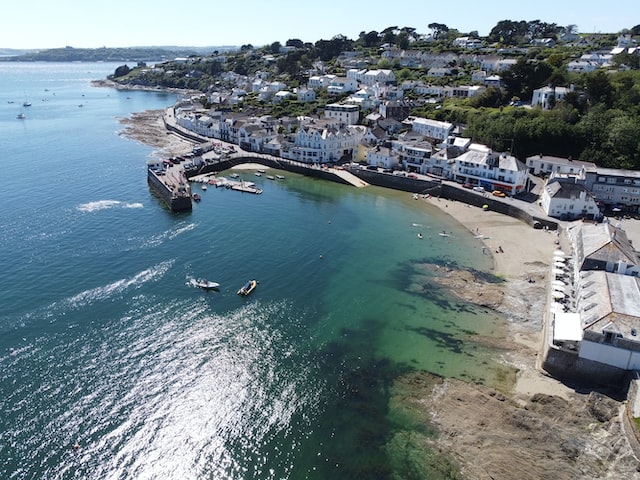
<point>249,166</point>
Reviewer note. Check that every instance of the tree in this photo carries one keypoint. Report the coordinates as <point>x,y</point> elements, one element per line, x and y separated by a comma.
<point>525,76</point>
<point>439,30</point>
<point>370,39</point>
<point>121,71</point>
<point>599,89</point>
<point>402,40</point>
<point>275,47</point>
<point>508,32</point>
<point>294,42</point>
<point>389,34</point>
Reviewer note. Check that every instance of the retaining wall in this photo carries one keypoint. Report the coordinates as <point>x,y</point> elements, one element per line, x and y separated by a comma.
<point>567,365</point>
<point>278,164</point>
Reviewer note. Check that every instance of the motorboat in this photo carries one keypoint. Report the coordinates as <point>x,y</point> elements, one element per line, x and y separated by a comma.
<point>248,288</point>
<point>280,177</point>
<point>206,284</point>
<point>196,197</point>
<point>21,116</point>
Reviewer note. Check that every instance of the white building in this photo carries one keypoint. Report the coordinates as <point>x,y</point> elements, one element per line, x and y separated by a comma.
<point>341,85</point>
<point>609,307</point>
<point>548,96</point>
<point>383,157</point>
<point>430,128</point>
<point>615,188</point>
<point>314,143</point>
<point>381,77</point>
<point>346,114</point>
<point>568,200</point>
<point>305,94</point>
<point>546,165</point>
<point>481,166</point>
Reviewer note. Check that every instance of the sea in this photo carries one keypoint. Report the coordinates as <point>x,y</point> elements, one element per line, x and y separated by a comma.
<point>114,366</point>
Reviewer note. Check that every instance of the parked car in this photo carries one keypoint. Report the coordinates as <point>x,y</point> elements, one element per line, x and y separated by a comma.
<point>467,185</point>
<point>498,193</point>
<point>478,189</point>
<point>411,175</point>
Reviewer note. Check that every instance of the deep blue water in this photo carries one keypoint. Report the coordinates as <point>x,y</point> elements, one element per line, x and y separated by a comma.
<point>104,342</point>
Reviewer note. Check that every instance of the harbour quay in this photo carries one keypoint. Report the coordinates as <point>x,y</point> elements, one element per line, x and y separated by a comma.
<point>168,181</point>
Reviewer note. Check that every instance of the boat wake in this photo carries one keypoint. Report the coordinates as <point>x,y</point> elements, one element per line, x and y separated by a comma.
<point>105,205</point>
<point>136,281</point>
<point>170,234</point>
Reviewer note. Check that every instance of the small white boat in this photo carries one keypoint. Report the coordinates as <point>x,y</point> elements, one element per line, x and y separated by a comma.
<point>280,177</point>
<point>234,175</point>
<point>204,186</point>
<point>271,177</point>
<point>21,116</point>
<point>206,284</point>
<point>258,174</point>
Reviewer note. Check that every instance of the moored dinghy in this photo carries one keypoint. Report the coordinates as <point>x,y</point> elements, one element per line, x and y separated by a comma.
<point>248,288</point>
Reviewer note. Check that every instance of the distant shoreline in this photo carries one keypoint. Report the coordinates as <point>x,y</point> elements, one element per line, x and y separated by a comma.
<point>107,83</point>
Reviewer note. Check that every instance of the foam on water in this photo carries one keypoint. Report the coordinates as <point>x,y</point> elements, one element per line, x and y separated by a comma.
<point>106,204</point>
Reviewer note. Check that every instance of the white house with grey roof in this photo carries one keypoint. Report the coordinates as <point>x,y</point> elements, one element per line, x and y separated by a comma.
<point>568,200</point>
<point>603,247</point>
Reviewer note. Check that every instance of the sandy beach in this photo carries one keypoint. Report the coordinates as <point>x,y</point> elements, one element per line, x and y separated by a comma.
<point>520,254</point>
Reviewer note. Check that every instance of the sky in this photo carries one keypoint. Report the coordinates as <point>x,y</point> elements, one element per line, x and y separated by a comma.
<point>40,24</point>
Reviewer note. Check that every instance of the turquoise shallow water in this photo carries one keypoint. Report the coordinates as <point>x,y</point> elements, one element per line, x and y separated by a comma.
<point>104,342</point>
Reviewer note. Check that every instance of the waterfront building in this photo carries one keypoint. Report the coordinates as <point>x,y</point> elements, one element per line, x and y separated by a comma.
<point>481,166</point>
<point>617,190</point>
<point>383,157</point>
<point>567,200</point>
<point>322,142</point>
<point>609,308</point>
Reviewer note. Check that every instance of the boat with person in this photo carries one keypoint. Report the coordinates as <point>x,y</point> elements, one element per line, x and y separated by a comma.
<point>248,287</point>
<point>206,284</point>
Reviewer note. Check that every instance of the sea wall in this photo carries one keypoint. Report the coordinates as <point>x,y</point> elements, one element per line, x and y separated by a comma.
<point>395,182</point>
<point>271,162</point>
<point>567,365</point>
<point>450,191</point>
